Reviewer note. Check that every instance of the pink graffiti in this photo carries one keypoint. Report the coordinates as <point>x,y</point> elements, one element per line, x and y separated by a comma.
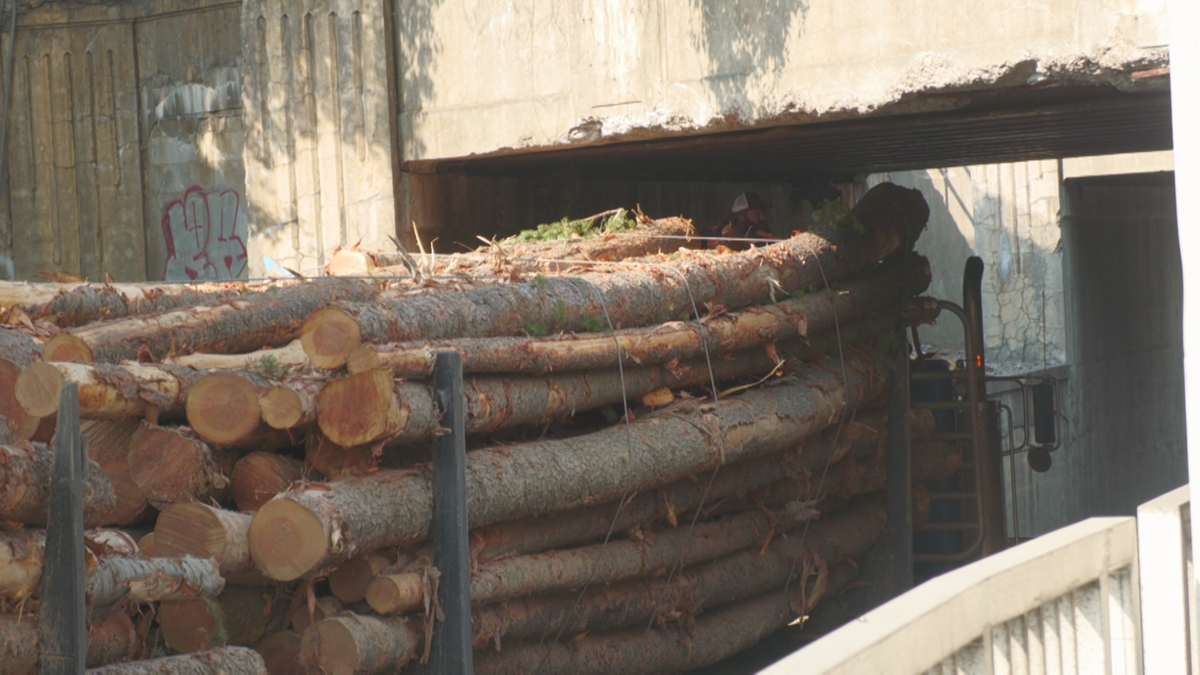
<point>205,235</point>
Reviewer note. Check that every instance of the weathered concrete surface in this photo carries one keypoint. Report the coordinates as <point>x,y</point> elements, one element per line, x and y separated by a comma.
<point>319,153</point>
<point>479,76</point>
<point>121,111</point>
<point>1007,214</point>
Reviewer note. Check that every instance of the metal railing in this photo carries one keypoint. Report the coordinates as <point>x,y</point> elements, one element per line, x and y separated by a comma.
<point>1107,595</point>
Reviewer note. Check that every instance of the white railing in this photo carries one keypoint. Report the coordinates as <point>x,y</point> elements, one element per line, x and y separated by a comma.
<point>1068,602</point>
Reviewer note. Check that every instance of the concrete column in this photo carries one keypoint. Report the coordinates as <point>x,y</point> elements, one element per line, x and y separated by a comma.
<point>318,131</point>
<point>1185,111</point>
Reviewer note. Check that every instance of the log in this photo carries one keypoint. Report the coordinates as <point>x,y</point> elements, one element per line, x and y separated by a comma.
<point>222,407</point>
<point>26,472</point>
<point>845,536</point>
<point>890,217</point>
<point>110,638</point>
<point>331,460</point>
<point>259,476</point>
<point>147,580</point>
<point>293,534</point>
<point>202,531</point>
<point>226,661</point>
<point>146,546</point>
<point>349,581</point>
<point>531,535</point>
<point>811,313</point>
<point>241,615</point>
<point>325,607</point>
<point>560,570</point>
<point>712,637</point>
<point>234,326</point>
<point>108,446</point>
<point>352,643</point>
<point>170,465</point>
<point>19,348</point>
<point>281,653</point>
<point>107,391</point>
<point>21,554</point>
<point>290,355</point>
<point>21,425</point>
<point>112,543</point>
<point>78,304</point>
<point>291,404</point>
<point>366,408</point>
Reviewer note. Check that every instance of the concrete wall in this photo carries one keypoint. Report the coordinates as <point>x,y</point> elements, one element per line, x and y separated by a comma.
<point>125,142</point>
<point>478,76</point>
<point>319,156</point>
<point>1008,215</point>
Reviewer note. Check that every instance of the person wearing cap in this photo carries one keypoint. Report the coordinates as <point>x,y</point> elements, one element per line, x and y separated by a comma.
<point>748,220</point>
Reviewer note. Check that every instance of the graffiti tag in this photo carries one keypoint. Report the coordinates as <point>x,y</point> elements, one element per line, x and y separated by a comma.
<point>205,235</point>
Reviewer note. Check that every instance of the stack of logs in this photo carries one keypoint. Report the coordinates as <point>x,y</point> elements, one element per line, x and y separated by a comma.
<point>668,458</point>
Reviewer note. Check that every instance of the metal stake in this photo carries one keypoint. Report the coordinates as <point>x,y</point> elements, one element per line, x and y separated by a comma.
<point>452,639</point>
<point>61,617</point>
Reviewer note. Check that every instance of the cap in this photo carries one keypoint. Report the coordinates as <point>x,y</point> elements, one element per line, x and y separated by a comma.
<point>748,201</point>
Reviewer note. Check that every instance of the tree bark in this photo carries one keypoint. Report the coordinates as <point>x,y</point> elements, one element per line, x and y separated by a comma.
<point>226,661</point>
<point>106,391</point>
<point>845,536</point>
<point>240,615</point>
<point>811,313</point>
<point>21,554</point>
<point>26,472</point>
<point>199,530</point>
<point>19,348</point>
<point>170,466</point>
<point>324,607</point>
<point>351,643</point>
<point>70,305</point>
<point>108,446</point>
<point>619,559</point>
<point>110,638</point>
<point>293,534</point>
<point>281,653</point>
<point>259,476</point>
<point>146,580</point>
<point>859,437</point>
<point>890,216</point>
<point>234,326</point>
<point>366,408</point>
<point>711,638</point>
<point>290,355</point>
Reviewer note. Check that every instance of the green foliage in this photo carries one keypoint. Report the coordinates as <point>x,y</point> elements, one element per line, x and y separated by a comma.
<point>584,228</point>
<point>610,414</point>
<point>838,217</point>
<point>594,324</point>
<point>269,367</point>
<point>536,330</point>
<point>220,636</point>
<point>540,282</point>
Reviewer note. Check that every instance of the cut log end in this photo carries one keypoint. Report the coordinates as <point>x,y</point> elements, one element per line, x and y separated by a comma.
<point>146,547</point>
<point>259,476</point>
<point>190,528</point>
<point>67,347</point>
<point>393,593</point>
<point>281,407</point>
<point>362,359</point>
<point>281,653</point>
<point>38,388</point>
<point>191,625</point>
<point>170,467</point>
<point>223,408</point>
<point>360,409</point>
<point>339,653</point>
<point>286,540</point>
<point>329,335</point>
<point>350,580</point>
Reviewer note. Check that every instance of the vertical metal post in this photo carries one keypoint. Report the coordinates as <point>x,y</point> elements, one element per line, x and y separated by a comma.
<point>61,617</point>
<point>899,535</point>
<point>451,639</point>
<point>987,451</point>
